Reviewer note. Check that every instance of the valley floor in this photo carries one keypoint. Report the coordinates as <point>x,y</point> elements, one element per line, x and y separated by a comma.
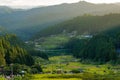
<point>70,68</point>
<point>86,76</point>
<point>67,67</point>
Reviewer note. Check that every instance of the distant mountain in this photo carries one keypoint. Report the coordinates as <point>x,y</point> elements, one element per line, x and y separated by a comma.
<point>86,24</point>
<point>25,23</point>
<point>4,10</point>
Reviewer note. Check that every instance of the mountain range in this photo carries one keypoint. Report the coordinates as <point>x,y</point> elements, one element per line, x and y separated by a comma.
<point>26,23</point>
<point>82,25</point>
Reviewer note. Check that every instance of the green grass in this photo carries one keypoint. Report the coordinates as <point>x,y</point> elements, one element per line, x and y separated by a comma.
<point>53,42</point>
<point>68,63</point>
<point>1,78</point>
<point>82,76</point>
<point>54,77</point>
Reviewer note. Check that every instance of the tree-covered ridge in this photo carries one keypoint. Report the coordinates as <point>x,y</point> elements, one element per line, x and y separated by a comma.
<point>86,24</point>
<point>11,52</point>
<point>102,47</point>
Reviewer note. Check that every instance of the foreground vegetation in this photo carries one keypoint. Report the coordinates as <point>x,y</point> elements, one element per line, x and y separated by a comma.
<point>83,76</point>
<point>67,67</point>
<point>70,68</point>
<point>11,51</point>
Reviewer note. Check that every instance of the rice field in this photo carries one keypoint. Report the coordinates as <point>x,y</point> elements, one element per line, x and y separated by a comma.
<point>68,66</point>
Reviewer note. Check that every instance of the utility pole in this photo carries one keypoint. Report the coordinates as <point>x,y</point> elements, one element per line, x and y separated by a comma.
<point>11,71</point>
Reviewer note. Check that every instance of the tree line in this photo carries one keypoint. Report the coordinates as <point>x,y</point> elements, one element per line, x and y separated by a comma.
<point>102,47</point>
<point>11,52</point>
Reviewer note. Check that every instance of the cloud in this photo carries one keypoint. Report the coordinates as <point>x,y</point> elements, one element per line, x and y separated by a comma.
<point>33,3</point>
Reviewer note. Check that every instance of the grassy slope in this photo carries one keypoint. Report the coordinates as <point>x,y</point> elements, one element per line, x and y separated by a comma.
<point>52,45</point>
<point>54,42</point>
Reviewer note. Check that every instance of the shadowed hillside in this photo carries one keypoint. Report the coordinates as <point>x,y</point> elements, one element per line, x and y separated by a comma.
<point>86,24</point>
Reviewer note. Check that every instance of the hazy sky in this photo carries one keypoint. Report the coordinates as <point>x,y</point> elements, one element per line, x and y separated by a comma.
<point>34,3</point>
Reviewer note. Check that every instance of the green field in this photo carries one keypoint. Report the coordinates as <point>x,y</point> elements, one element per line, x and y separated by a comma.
<point>68,63</point>
<point>84,76</point>
<point>52,42</point>
<point>1,78</point>
<point>69,68</point>
<point>55,77</point>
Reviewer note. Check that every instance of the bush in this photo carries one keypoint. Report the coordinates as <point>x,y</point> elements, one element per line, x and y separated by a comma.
<point>77,71</point>
<point>36,69</point>
<point>17,78</point>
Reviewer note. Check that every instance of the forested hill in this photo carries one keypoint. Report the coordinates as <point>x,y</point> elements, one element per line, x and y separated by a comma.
<point>26,23</point>
<point>12,52</point>
<point>86,24</point>
<point>101,48</point>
